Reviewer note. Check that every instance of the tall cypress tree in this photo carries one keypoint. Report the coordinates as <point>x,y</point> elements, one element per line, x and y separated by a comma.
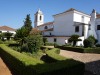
<point>28,24</point>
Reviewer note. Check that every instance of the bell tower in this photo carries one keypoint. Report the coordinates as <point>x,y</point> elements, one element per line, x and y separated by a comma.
<point>39,18</point>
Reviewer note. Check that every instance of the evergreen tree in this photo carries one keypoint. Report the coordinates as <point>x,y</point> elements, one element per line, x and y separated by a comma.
<point>27,24</point>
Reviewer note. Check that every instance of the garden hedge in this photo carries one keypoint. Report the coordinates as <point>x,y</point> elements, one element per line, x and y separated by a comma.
<point>81,50</point>
<point>75,49</point>
<point>21,64</point>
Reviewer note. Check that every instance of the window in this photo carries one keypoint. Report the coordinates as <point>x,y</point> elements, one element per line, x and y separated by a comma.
<point>83,30</point>
<point>50,33</point>
<point>40,18</point>
<point>89,27</point>
<point>55,40</point>
<point>98,27</point>
<point>77,29</point>
<point>45,27</point>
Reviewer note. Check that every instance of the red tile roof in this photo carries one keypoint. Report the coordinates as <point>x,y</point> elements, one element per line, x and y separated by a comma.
<point>51,29</point>
<point>34,31</point>
<point>48,23</point>
<point>7,28</point>
<point>98,15</point>
<point>71,9</point>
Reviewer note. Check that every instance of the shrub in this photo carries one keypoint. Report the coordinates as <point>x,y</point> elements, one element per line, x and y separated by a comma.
<point>24,48</point>
<point>44,41</point>
<point>92,50</point>
<point>49,44</point>
<point>34,42</point>
<point>97,45</point>
<point>86,43</point>
<point>21,64</point>
<point>75,49</point>
<point>90,41</point>
<point>74,39</point>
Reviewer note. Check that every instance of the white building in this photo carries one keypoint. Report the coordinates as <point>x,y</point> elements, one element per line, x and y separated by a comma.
<point>4,29</point>
<point>68,23</point>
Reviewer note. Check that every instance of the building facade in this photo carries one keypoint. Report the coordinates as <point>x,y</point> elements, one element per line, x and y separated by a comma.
<point>68,23</point>
<point>4,29</point>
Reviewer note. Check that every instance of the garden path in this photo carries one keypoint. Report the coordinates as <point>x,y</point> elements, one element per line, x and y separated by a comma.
<point>92,61</point>
<point>4,69</point>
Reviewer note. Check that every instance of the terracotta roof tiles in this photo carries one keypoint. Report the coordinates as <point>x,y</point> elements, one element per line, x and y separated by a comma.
<point>98,15</point>
<point>48,23</point>
<point>7,28</point>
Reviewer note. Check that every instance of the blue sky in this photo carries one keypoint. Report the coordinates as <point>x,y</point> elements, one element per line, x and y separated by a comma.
<point>13,12</point>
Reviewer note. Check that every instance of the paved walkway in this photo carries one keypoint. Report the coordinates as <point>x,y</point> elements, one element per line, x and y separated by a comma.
<point>4,69</point>
<point>92,61</point>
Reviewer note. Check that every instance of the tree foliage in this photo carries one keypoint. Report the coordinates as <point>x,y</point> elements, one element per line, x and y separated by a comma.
<point>28,24</point>
<point>34,42</point>
<point>90,41</point>
<point>21,33</point>
<point>25,29</point>
<point>6,35</point>
<point>74,39</point>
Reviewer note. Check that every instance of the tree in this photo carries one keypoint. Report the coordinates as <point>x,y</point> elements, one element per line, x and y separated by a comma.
<point>28,24</point>
<point>6,35</point>
<point>21,33</point>
<point>24,31</point>
<point>74,39</point>
<point>34,42</point>
<point>90,41</point>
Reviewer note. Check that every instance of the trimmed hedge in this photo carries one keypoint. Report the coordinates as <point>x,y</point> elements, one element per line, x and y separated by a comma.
<point>81,50</point>
<point>49,44</point>
<point>21,64</point>
<point>75,49</point>
<point>92,50</point>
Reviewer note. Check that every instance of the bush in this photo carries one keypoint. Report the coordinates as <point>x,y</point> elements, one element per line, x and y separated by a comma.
<point>24,48</point>
<point>90,42</point>
<point>86,43</point>
<point>49,44</point>
<point>81,50</point>
<point>21,64</point>
<point>75,49</point>
<point>34,42</point>
<point>92,50</point>
<point>97,45</point>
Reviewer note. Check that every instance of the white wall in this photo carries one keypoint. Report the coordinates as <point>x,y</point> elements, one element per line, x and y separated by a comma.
<point>63,24</point>
<point>86,19</point>
<point>42,27</point>
<point>98,31</point>
<point>80,43</point>
<point>60,40</point>
<point>3,31</point>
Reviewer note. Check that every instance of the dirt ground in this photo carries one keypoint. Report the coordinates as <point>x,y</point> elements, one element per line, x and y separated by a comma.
<point>4,69</point>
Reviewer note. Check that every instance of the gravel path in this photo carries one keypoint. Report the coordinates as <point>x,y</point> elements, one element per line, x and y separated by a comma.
<point>92,61</point>
<point>4,69</point>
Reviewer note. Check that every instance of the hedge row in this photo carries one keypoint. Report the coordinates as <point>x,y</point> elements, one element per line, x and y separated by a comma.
<point>81,50</point>
<point>75,49</point>
<point>92,50</point>
<point>21,64</point>
<point>49,44</point>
